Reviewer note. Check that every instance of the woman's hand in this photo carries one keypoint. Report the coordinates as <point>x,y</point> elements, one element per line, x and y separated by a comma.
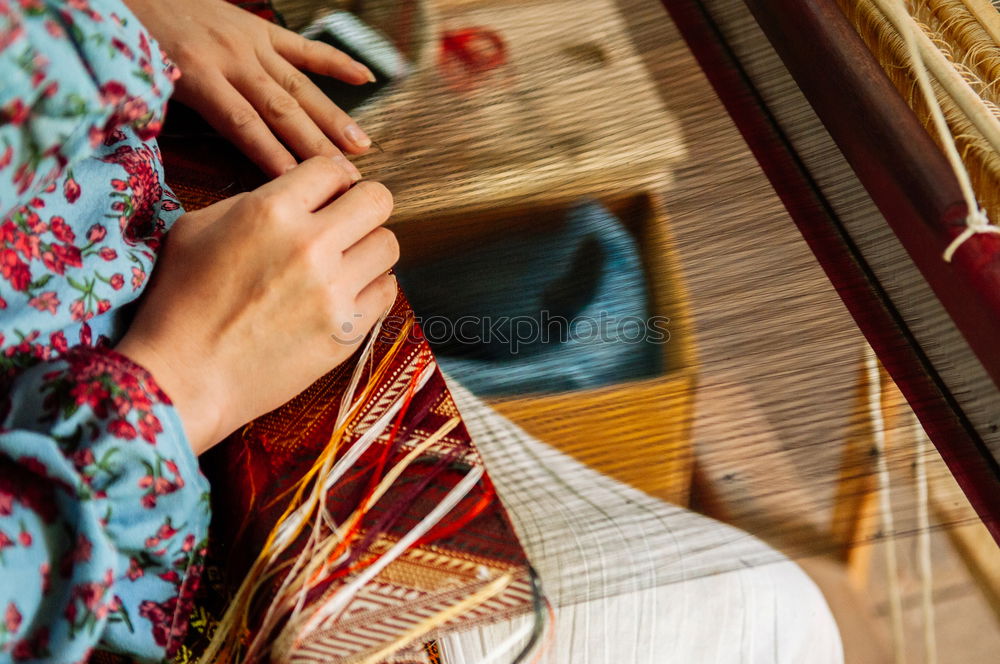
<point>256,297</point>
<point>241,73</point>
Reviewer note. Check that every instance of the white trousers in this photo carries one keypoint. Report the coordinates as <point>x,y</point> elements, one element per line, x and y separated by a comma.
<point>632,579</point>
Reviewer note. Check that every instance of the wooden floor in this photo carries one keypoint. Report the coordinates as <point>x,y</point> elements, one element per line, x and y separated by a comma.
<point>779,357</point>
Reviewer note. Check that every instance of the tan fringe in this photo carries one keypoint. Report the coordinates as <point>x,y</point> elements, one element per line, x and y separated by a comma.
<point>965,41</point>
<point>988,16</point>
<point>981,160</point>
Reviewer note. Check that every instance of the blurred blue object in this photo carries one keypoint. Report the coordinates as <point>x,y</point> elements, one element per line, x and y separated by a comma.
<point>551,310</point>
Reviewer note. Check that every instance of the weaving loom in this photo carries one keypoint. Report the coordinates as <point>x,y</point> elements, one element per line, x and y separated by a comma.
<point>948,378</point>
<point>875,198</point>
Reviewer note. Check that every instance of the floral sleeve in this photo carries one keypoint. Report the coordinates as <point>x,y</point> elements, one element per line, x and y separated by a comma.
<point>102,513</point>
<point>72,72</point>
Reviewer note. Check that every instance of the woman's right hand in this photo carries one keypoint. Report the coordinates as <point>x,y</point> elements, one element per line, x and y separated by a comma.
<point>257,296</point>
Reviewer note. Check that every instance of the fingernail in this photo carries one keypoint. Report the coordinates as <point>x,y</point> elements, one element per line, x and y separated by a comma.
<point>365,71</point>
<point>346,164</point>
<point>356,136</point>
<point>288,167</point>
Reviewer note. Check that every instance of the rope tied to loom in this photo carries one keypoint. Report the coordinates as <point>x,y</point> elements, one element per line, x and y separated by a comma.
<point>897,13</point>
<point>975,223</point>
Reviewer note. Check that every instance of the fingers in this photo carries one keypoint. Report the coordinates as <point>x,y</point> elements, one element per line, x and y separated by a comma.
<point>327,116</point>
<point>262,103</point>
<point>361,212</point>
<point>373,256</point>
<point>365,265</point>
<point>283,113</point>
<point>376,298</point>
<point>357,213</point>
<point>311,184</point>
<point>318,57</point>
<point>234,117</point>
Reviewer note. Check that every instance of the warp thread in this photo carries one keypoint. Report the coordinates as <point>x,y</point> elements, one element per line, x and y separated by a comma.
<point>874,380</point>
<point>922,445</point>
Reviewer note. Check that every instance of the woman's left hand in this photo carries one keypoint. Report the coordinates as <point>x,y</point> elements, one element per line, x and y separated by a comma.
<point>242,74</point>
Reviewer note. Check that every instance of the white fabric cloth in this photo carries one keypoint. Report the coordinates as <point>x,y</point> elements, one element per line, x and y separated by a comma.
<point>635,580</point>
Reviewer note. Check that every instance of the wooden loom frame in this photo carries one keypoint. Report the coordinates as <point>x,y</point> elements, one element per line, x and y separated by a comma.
<point>909,180</point>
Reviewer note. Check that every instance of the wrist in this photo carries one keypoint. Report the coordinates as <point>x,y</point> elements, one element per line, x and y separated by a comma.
<point>195,402</point>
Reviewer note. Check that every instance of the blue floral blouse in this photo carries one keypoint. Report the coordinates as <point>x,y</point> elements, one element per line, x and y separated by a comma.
<point>103,510</point>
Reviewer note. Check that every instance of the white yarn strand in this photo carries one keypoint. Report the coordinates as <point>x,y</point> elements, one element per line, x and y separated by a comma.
<point>517,638</point>
<point>885,503</point>
<point>924,544</point>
